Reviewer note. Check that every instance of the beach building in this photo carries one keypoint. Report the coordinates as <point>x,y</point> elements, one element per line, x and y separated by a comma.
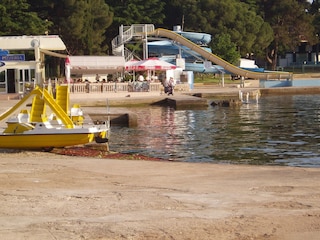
<point>17,72</point>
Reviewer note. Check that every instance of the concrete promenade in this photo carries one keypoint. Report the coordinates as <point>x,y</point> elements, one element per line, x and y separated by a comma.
<point>200,90</point>
<point>129,98</point>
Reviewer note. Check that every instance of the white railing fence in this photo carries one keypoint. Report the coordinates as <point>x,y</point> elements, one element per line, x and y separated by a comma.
<point>122,87</point>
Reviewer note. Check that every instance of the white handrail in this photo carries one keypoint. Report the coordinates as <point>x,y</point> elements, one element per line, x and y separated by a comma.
<point>94,88</point>
<point>126,33</point>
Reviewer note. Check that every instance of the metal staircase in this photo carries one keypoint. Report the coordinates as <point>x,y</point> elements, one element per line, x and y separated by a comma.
<point>126,34</point>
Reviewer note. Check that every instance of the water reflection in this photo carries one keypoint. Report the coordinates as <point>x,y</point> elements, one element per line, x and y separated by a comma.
<point>278,130</point>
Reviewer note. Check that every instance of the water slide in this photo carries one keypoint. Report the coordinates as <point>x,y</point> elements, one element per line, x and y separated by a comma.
<point>217,60</point>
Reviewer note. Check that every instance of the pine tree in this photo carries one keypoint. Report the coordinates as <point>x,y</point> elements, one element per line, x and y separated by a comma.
<point>17,19</point>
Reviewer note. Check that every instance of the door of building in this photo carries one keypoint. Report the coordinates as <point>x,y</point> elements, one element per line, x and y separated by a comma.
<point>26,80</point>
<point>11,81</point>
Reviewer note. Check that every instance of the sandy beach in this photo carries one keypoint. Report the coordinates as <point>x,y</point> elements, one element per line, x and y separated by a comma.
<point>48,196</point>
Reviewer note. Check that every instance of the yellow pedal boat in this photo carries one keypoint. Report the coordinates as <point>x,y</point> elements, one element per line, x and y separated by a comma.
<point>43,128</point>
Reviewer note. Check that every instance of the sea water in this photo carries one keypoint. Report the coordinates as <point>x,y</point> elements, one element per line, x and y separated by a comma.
<point>277,130</point>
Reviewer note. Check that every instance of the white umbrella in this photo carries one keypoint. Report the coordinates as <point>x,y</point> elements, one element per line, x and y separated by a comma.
<point>128,65</point>
<point>152,64</point>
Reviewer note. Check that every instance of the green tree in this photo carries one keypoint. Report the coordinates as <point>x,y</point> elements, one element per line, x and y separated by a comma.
<point>314,10</point>
<point>17,19</point>
<point>225,48</point>
<point>128,12</point>
<point>80,23</point>
<point>175,12</point>
<point>291,25</point>
<point>251,3</point>
<point>237,19</point>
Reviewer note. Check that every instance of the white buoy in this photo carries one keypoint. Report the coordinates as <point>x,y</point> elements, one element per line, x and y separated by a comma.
<point>247,97</point>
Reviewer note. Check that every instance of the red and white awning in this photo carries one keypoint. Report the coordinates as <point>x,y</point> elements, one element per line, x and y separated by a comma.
<point>149,64</point>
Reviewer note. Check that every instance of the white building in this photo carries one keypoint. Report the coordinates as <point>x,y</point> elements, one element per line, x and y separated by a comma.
<point>15,72</point>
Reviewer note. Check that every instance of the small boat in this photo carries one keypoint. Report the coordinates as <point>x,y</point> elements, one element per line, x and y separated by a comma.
<point>49,123</point>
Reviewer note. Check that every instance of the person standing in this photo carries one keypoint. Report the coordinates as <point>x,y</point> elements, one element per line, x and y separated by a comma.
<point>169,86</point>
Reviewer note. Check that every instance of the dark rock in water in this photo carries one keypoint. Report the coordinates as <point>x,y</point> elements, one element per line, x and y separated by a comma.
<point>197,95</point>
<point>213,104</point>
<point>227,103</point>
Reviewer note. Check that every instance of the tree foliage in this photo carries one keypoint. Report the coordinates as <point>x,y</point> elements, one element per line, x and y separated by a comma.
<point>81,23</point>
<point>291,25</point>
<point>128,12</point>
<point>314,10</point>
<point>225,48</point>
<point>262,27</point>
<point>17,19</point>
<point>246,29</point>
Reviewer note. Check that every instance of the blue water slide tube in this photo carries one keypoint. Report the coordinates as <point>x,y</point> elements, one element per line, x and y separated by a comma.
<point>167,51</point>
<point>197,38</point>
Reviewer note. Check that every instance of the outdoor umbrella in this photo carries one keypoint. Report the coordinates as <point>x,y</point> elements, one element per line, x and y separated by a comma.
<point>151,64</point>
<point>129,64</point>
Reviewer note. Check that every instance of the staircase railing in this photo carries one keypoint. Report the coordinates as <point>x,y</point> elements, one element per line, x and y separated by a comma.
<point>128,55</point>
<point>126,33</point>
